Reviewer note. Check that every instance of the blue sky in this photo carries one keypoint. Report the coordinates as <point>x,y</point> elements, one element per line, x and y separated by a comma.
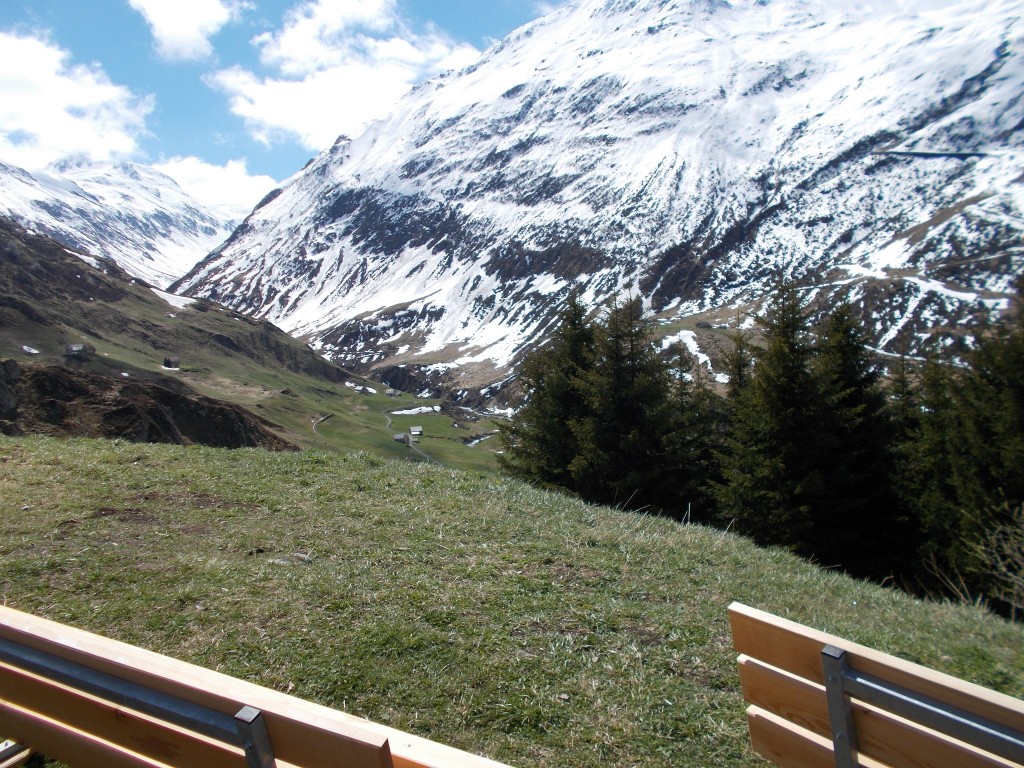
<point>227,96</point>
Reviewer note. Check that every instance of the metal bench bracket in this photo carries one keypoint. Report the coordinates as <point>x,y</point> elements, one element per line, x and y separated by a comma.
<point>842,683</point>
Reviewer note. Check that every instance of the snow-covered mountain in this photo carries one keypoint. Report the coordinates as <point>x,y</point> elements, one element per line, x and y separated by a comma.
<point>130,213</point>
<point>684,150</point>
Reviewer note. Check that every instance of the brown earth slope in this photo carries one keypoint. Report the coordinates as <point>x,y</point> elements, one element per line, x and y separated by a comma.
<point>59,401</point>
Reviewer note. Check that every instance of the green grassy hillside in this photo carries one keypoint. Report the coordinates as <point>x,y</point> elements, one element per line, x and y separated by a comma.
<point>50,298</point>
<point>457,605</point>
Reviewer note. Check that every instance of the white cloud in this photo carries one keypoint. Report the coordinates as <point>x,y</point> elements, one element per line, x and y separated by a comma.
<point>337,67</point>
<point>316,109</point>
<point>319,35</point>
<point>50,108</point>
<point>229,187</point>
<point>182,28</point>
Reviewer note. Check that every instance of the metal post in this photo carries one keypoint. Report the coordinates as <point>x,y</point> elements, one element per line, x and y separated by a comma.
<point>253,732</point>
<point>840,712</point>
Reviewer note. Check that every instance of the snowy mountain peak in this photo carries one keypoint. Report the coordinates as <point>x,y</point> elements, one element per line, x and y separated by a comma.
<point>131,213</point>
<point>685,151</point>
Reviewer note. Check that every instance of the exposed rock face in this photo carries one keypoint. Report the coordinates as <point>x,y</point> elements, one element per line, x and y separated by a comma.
<point>66,403</point>
<point>9,375</point>
<point>682,150</point>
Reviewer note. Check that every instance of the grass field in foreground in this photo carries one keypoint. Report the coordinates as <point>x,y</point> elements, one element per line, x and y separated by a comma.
<point>461,606</point>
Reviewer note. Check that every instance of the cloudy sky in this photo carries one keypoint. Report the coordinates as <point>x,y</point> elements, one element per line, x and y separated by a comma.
<point>229,97</point>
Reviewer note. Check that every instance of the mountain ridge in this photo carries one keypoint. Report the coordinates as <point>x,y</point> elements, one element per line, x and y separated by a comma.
<point>64,402</point>
<point>685,152</point>
<point>127,212</point>
<point>94,346</point>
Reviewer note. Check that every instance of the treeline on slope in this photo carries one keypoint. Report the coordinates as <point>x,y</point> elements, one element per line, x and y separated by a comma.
<point>916,477</point>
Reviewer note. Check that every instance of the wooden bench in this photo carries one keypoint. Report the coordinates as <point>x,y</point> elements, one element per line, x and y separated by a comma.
<point>817,700</point>
<point>90,701</point>
<point>13,754</point>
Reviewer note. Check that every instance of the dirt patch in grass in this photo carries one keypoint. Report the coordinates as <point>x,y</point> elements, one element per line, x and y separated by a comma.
<point>575,574</point>
<point>129,515</point>
<point>196,501</point>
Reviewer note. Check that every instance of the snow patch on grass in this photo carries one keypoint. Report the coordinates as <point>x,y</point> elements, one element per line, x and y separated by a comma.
<point>417,411</point>
<point>174,300</point>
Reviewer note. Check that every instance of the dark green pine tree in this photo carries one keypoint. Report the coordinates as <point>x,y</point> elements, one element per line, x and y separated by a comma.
<point>698,425</point>
<point>904,404</point>
<point>965,463</point>
<point>996,393</point>
<point>935,468</point>
<point>539,441</point>
<point>739,362</point>
<point>857,521</point>
<point>620,459</point>
<point>770,468</point>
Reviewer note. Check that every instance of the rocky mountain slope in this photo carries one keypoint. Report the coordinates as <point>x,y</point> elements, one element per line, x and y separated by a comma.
<point>130,213</point>
<point>52,297</point>
<point>104,355</point>
<point>682,150</point>
<point>64,402</point>
<point>88,350</point>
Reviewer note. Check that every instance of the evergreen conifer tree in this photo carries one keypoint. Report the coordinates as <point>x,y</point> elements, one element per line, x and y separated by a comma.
<point>857,521</point>
<point>739,362</point>
<point>771,476</point>
<point>540,444</point>
<point>698,421</point>
<point>620,459</point>
<point>965,467</point>
<point>930,463</point>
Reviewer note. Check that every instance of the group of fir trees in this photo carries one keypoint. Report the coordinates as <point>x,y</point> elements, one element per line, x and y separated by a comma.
<point>808,461</point>
<point>919,476</point>
<point>605,417</point>
<point>962,460</point>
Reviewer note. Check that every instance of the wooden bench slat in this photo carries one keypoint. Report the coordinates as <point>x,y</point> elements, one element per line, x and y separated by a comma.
<point>417,752</point>
<point>790,746</point>
<point>781,693</point>
<point>68,744</point>
<point>109,722</point>
<point>797,649</point>
<point>17,759</point>
<point>891,740</point>
<point>302,733</point>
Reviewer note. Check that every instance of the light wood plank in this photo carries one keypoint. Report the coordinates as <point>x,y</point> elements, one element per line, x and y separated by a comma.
<point>133,731</point>
<point>797,649</point>
<point>790,746</point>
<point>79,748</point>
<point>415,752</point>
<point>785,744</point>
<point>786,695</point>
<point>17,759</point>
<point>62,743</point>
<point>776,740</point>
<point>302,733</point>
<point>881,735</point>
